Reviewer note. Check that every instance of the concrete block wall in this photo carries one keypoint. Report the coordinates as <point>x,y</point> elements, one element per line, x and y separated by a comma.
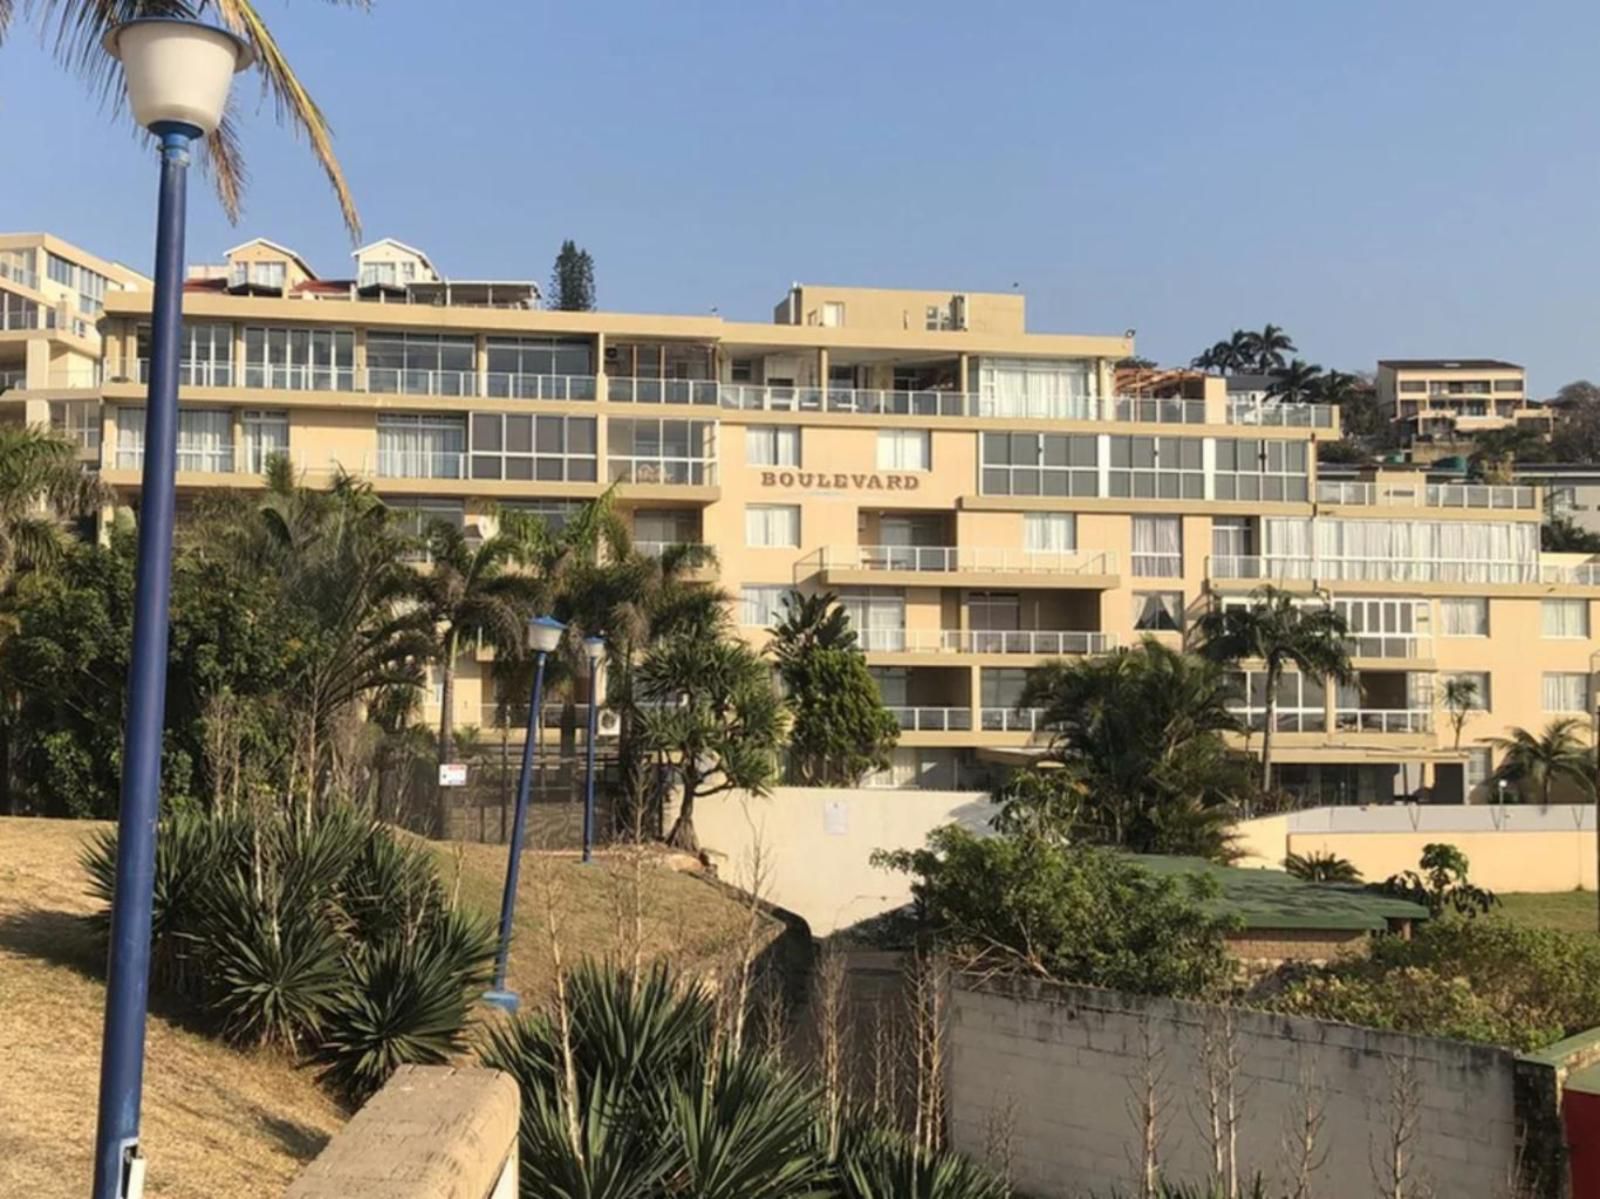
<point>1063,1068</point>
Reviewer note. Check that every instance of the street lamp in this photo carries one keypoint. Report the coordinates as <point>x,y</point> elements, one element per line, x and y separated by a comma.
<point>178,74</point>
<point>595,648</point>
<point>544,635</point>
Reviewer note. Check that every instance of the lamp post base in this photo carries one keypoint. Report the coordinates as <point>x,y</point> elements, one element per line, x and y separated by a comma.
<point>506,1000</point>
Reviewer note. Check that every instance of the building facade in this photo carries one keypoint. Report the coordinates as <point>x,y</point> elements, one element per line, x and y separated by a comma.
<point>979,496</point>
<point>1438,404</point>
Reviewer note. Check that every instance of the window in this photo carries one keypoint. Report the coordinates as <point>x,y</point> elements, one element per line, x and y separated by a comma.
<point>17,312</point>
<point>1413,385</point>
<point>761,604</point>
<point>1036,388</point>
<point>1302,701</point>
<point>300,359</point>
<point>1002,686</point>
<point>266,434</point>
<point>61,271</point>
<point>1040,464</point>
<point>551,449</point>
<point>421,445</point>
<point>271,274</point>
<point>878,616</point>
<point>1508,384</point>
<point>1158,467</point>
<point>656,528</point>
<point>905,449</point>
<point>1464,617</point>
<point>541,368</point>
<point>205,439</point>
<point>1158,611</point>
<point>1251,469</point>
<point>771,445</point>
<point>1157,546</point>
<point>19,265</point>
<point>1565,617</point>
<point>1050,532</point>
<point>832,313</point>
<point>1233,537</point>
<point>1479,679</point>
<point>742,370</point>
<point>677,452</point>
<point>1566,692</point>
<point>772,525</point>
<point>556,514</point>
<point>205,355</point>
<point>421,364</point>
<point>416,514</point>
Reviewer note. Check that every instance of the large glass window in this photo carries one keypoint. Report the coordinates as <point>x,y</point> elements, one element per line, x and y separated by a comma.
<point>17,312</point>
<point>1255,469</point>
<point>761,604</point>
<point>1158,611</point>
<point>299,359</point>
<point>661,451</point>
<point>1040,464</point>
<point>1036,388</point>
<point>266,434</point>
<point>554,449</point>
<point>556,514</point>
<point>771,445</point>
<point>541,368</point>
<point>1158,467</point>
<point>1565,617</point>
<point>772,525</point>
<point>1480,686</point>
<point>1566,692</point>
<point>1050,532</point>
<point>421,364</point>
<point>905,449</point>
<point>421,445</point>
<point>205,439</point>
<point>205,355</point>
<point>1302,701</point>
<point>1466,616</point>
<point>1158,546</point>
<point>878,616</point>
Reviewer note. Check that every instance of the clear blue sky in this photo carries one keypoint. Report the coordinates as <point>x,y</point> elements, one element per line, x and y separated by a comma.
<point>1384,179</point>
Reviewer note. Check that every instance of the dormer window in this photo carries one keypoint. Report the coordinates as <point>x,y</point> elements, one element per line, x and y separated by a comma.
<point>268,274</point>
<point>387,274</point>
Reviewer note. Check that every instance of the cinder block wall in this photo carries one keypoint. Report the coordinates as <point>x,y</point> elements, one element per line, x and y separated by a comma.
<point>1062,1069</point>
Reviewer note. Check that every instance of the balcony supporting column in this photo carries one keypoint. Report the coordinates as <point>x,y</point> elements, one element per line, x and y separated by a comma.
<point>822,370</point>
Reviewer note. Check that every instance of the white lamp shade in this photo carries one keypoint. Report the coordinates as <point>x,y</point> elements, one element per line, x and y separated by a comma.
<point>178,71</point>
<point>595,647</point>
<point>544,635</point>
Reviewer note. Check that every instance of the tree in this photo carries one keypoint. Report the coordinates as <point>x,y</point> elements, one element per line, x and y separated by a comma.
<point>470,592</point>
<point>1277,631</point>
<point>1496,452</point>
<point>1297,382</point>
<point>841,729</point>
<point>41,482</point>
<point>1268,348</point>
<point>1559,535</point>
<point>711,715</point>
<point>572,280</point>
<point>1460,697</point>
<point>1091,916</point>
<point>1576,436</point>
<point>77,28</point>
<point>1141,730</point>
<point>1443,884</point>
<point>1541,760</point>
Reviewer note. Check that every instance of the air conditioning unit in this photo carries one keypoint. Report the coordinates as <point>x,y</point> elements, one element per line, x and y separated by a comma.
<point>609,723</point>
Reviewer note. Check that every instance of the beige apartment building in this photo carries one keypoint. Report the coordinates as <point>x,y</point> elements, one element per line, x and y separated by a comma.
<point>978,495</point>
<point>1438,404</point>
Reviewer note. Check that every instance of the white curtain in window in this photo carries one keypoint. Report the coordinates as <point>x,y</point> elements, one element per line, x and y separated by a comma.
<point>265,434</point>
<point>1157,546</point>
<point>772,525</point>
<point>1158,611</point>
<point>205,439</point>
<point>130,438</point>
<point>761,604</point>
<point>771,446</point>
<point>904,449</point>
<point>1048,388</point>
<point>1564,692</point>
<point>878,616</point>
<point>1565,617</point>
<point>1464,617</point>
<point>421,447</point>
<point>1050,532</point>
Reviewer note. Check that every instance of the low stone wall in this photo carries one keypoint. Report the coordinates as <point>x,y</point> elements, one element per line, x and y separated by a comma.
<point>1061,1076</point>
<point>432,1132</point>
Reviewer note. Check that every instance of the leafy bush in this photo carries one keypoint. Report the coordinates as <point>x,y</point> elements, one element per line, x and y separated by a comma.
<point>1443,884</point>
<point>1486,980</point>
<point>1081,915</point>
<point>331,938</point>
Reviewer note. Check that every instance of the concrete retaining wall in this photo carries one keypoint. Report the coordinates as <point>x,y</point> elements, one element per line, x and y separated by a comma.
<point>1063,1068</point>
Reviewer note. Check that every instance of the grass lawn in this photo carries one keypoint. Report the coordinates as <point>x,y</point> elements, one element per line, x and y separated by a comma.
<point>220,1122</point>
<point>1572,911</point>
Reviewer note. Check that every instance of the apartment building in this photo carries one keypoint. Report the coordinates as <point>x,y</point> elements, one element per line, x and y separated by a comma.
<point>1438,404</point>
<point>980,496</point>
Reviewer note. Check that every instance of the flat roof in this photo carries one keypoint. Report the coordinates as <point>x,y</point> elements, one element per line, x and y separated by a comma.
<point>1268,899</point>
<point>1436,364</point>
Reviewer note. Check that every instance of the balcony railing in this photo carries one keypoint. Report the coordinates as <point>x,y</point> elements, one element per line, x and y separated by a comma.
<point>672,470</point>
<point>654,549</point>
<point>1381,570</point>
<point>1389,645</point>
<point>661,391</point>
<point>950,559</point>
<point>1585,574</point>
<point>192,372</point>
<point>10,379</point>
<point>416,464</point>
<point>1383,720</point>
<point>933,720</point>
<point>539,387</point>
<point>85,437</point>
<point>983,641</point>
<point>381,380</point>
<point>1159,411</point>
<point>1011,720</point>
<point>19,274</point>
<point>1431,495</point>
<point>216,460</point>
<point>1280,415</point>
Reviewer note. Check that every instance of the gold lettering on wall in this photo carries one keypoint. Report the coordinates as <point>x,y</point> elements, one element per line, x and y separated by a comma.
<point>810,480</point>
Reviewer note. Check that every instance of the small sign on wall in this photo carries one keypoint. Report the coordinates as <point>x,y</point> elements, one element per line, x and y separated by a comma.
<point>452,774</point>
<point>836,818</point>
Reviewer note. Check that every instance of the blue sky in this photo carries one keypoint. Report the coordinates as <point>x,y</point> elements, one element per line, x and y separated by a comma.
<point>1383,179</point>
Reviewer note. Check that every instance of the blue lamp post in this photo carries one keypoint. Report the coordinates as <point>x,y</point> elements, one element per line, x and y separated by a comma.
<point>178,74</point>
<point>544,635</point>
<point>595,648</point>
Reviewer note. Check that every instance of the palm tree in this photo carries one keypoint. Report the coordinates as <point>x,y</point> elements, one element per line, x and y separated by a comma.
<point>471,592</point>
<point>1321,868</point>
<point>77,28</point>
<point>1297,382</point>
<point>1279,632</point>
<point>1337,388</point>
<point>41,481</point>
<point>1539,760</point>
<point>1459,697</point>
<point>1241,351</point>
<point>1267,349</point>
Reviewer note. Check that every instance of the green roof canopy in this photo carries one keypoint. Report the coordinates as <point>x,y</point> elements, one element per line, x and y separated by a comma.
<point>1266,899</point>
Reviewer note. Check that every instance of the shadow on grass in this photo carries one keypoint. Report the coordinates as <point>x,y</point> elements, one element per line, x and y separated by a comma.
<point>297,1140</point>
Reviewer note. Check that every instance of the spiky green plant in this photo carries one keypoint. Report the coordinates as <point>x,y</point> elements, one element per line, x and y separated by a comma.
<point>1321,868</point>
<point>887,1166</point>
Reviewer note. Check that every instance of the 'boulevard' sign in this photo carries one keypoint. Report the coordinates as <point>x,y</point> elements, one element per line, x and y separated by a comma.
<point>838,481</point>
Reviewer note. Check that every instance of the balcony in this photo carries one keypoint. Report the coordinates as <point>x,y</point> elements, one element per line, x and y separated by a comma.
<point>417,464</point>
<point>1036,642</point>
<point>1391,646</point>
<point>933,720</point>
<point>949,559</point>
<point>1011,720</point>
<point>1585,574</point>
<point>661,391</point>
<point>1270,415</point>
<point>1431,495</point>
<point>1384,721</point>
<point>20,274</point>
<point>745,397</point>
<point>375,380</point>
<point>661,469</point>
<point>1391,570</point>
<point>214,460</point>
<point>13,378</point>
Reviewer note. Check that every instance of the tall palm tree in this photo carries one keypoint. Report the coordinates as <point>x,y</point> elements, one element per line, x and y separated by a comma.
<point>1540,759</point>
<point>1269,348</point>
<point>1277,631</point>
<point>469,592</point>
<point>41,482</point>
<point>77,27</point>
<point>1336,387</point>
<point>1460,696</point>
<point>1241,353</point>
<point>1297,382</point>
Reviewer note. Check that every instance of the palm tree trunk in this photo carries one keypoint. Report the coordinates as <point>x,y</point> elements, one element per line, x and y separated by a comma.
<point>447,698</point>
<point>1273,677</point>
<point>683,835</point>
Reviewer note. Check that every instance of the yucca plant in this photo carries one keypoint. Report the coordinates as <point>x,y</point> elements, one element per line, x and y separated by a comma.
<point>748,1135</point>
<point>391,889</point>
<point>1321,868</point>
<point>884,1165</point>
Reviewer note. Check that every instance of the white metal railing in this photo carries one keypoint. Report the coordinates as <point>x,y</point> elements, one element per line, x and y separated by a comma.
<point>382,380</point>
<point>415,464</point>
<point>1389,645</point>
<point>1585,574</point>
<point>217,460</point>
<point>85,437</point>
<point>625,390</point>
<point>674,470</point>
<point>517,386</point>
<point>752,397</point>
<point>19,274</point>
<point>947,558</point>
<point>1011,720</point>
<point>299,377</point>
<point>933,720</point>
<point>192,372</point>
<point>393,380</point>
<point>1382,570</point>
<point>1287,720</point>
<point>654,549</point>
<point>1280,415</point>
<point>1383,720</point>
<point>1432,495</point>
<point>1162,411</point>
<point>983,641</point>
